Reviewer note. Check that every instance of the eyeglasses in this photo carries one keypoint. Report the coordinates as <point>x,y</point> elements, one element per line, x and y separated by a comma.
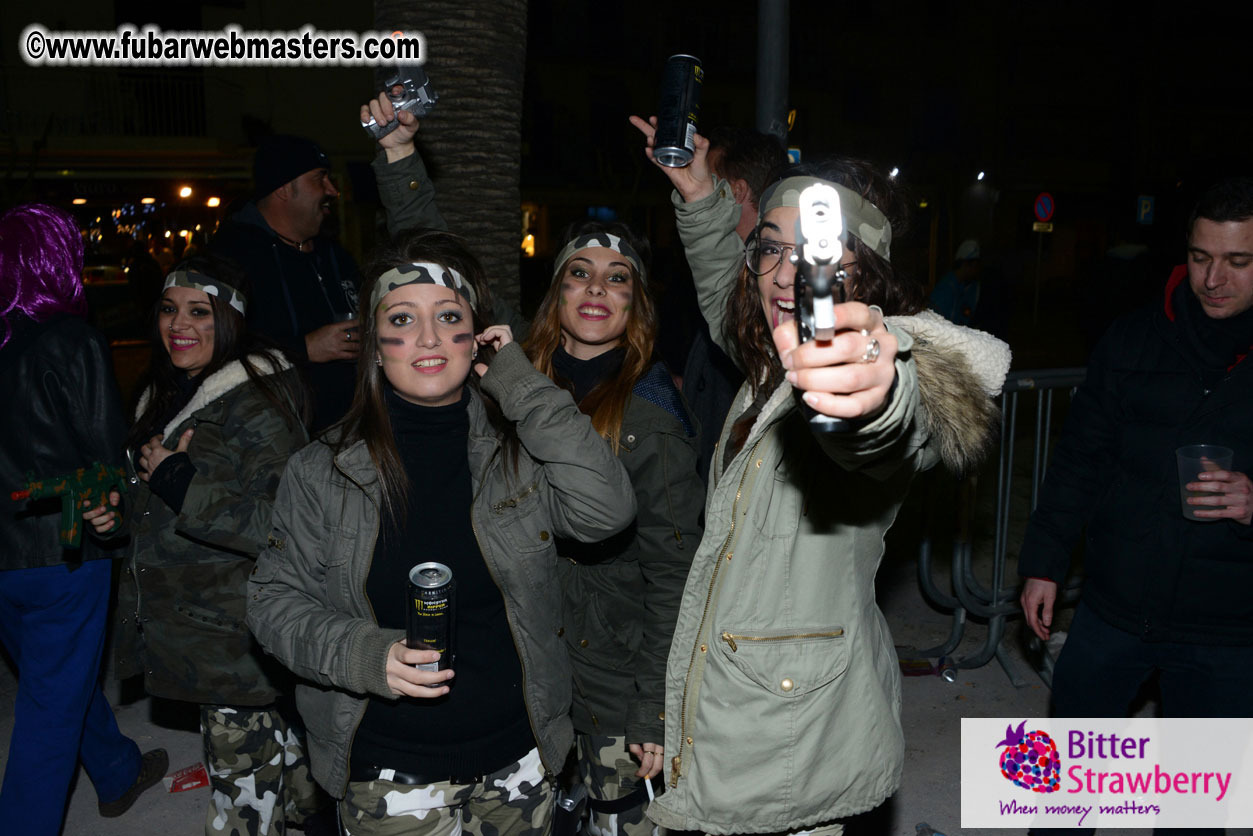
<point>764,257</point>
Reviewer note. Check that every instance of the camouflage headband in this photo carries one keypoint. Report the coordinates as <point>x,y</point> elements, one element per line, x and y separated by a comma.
<point>861,217</point>
<point>599,239</point>
<point>421,272</point>
<point>211,286</point>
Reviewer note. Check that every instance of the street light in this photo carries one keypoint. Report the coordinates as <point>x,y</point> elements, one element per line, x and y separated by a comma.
<point>980,176</point>
<point>895,171</point>
<point>185,191</point>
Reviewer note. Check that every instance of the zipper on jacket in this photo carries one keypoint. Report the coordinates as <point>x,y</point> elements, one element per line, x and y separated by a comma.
<point>730,638</point>
<point>378,513</point>
<point>677,761</point>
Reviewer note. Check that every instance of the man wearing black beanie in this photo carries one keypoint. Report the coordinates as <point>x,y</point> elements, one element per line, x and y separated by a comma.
<point>304,283</point>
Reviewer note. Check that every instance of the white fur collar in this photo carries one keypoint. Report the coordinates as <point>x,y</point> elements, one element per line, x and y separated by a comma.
<point>229,377</point>
<point>989,358</point>
<point>986,360</point>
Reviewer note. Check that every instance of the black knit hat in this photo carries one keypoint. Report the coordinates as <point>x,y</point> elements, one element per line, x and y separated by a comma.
<point>281,159</point>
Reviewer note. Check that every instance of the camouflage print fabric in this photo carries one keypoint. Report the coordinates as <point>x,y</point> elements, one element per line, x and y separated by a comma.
<point>514,801</point>
<point>608,771</point>
<point>181,598</point>
<point>258,772</point>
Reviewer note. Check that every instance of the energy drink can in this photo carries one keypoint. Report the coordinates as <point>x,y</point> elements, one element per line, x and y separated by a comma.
<point>430,613</point>
<point>679,111</point>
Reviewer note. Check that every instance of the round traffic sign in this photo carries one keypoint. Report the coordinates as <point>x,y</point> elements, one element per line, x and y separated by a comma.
<point>1044,207</point>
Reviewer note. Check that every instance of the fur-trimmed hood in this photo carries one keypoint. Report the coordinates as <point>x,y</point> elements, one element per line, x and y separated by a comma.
<point>224,380</point>
<point>960,374</point>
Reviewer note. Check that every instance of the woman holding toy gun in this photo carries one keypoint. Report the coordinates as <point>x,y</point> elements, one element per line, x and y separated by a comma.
<point>781,657</point>
<point>219,417</point>
<point>65,414</point>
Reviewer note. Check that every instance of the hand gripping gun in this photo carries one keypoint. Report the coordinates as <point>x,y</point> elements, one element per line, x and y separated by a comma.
<point>87,484</point>
<point>819,280</point>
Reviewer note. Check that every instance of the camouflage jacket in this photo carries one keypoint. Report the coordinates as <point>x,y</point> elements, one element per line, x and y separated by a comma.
<point>621,596</point>
<point>180,614</point>
<point>307,602</point>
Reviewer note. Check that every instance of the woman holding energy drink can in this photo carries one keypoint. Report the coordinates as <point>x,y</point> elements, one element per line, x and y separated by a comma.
<point>594,334</point>
<point>456,452</point>
<point>219,416</point>
<point>783,711</point>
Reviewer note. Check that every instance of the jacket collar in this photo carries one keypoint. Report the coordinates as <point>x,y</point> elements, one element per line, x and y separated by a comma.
<point>223,381</point>
<point>1177,276</point>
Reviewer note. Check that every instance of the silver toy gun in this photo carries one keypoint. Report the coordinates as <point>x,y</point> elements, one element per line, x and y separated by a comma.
<point>409,89</point>
<point>819,280</point>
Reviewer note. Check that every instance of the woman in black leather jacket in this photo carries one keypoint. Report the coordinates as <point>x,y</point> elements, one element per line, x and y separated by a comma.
<point>64,413</point>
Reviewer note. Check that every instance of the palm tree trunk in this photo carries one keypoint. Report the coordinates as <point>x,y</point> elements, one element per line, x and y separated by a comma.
<point>471,141</point>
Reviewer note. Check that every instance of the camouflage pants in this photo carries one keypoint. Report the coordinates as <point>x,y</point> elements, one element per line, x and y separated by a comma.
<point>514,801</point>
<point>258,772</point>
<point>608,771</point>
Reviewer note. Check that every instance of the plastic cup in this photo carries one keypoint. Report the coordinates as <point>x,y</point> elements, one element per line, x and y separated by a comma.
<point>1193,460</point>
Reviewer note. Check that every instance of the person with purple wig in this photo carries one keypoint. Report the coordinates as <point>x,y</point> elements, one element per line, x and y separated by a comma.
<point>67,414</point>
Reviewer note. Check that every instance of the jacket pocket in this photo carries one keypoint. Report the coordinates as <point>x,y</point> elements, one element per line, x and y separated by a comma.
<point>521,519</point>
<point>593,638</point>
<point>787,663</point>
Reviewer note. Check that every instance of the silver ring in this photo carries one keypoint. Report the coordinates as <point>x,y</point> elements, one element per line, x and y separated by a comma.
<point>872,348</point>
<point>348,336</point>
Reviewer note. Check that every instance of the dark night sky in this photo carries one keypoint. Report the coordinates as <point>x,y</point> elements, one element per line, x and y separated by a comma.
<point>1069,96</point>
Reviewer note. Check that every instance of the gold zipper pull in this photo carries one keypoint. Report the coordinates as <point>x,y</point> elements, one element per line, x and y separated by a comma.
<point>674,770</point>
<point>729,639</point>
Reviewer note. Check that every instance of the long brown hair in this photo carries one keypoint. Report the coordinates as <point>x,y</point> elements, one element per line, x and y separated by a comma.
<point>606,403</point>
<point>874,280</point>
<point>367,418</point>
<point>232,341</point>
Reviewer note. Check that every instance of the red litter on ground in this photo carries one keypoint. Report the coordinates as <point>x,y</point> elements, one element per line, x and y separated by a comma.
<point>187,778</point>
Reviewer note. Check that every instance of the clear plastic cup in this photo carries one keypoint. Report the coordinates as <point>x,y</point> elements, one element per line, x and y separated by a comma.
<point>1193,460</point>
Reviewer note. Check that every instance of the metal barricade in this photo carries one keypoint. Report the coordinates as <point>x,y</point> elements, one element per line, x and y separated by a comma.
<point>998,601</point>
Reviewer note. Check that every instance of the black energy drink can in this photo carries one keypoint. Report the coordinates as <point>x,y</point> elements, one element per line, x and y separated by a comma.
<point>678,112</point>
<point>430,613</point>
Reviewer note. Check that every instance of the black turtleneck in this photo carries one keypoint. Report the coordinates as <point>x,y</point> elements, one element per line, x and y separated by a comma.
<point>482,724</point>
<point>584,375</point>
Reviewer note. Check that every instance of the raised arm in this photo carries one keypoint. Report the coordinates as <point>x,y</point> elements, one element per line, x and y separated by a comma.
<point>405,188</point>
<point>591,496</point>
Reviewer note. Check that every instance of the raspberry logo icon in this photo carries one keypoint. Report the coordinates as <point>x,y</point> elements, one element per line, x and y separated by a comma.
<point>1030,759</point>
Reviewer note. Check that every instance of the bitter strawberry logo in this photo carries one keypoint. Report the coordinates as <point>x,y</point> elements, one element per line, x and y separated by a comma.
<point>1030,759</point>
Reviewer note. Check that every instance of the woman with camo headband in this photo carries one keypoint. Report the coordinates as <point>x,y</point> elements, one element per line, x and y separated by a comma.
<point>219,414</point>
<point>594,334</point>
<point>783,699</point>
<point>455,450</point>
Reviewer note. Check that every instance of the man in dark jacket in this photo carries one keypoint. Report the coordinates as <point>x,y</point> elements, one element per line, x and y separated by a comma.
<point>1162,593</point>
<point>304,283</point>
